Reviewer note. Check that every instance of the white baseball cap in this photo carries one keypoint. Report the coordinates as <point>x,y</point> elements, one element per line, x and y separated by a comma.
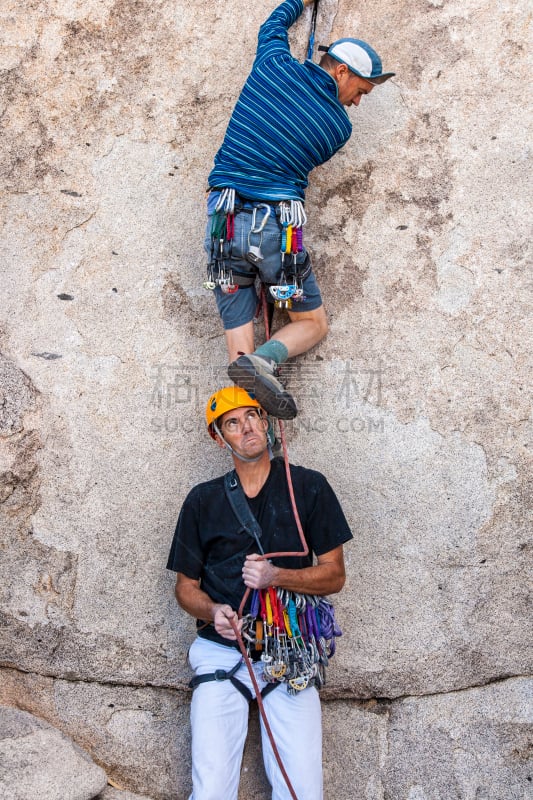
<point>360,58</point>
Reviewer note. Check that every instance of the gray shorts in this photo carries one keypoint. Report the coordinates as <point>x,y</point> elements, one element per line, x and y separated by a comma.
<point>240,307</point>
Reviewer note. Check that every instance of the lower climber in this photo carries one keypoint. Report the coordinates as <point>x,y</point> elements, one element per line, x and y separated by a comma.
<point>290,118</point>
<point>224,527</point>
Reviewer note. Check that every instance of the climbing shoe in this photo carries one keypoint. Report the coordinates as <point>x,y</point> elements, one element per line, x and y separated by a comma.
<point>256,374</point>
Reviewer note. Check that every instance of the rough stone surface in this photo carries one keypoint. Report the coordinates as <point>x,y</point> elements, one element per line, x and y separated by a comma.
<point>474,744</point>
<point>416,406</point>
<point>111,793</point>
<point>134,733</point>
<point>36,760</point>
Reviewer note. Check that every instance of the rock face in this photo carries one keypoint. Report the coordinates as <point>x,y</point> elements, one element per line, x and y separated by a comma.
<point>416,405</point>
<point>36,760</point>
<point>117,794</point>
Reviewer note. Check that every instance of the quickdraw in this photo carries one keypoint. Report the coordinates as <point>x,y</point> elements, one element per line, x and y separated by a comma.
<point>295,634</point>
<point>292,219</point>
<point>222,235</point>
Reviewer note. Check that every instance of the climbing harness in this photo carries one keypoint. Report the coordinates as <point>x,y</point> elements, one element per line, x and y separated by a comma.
<point>294,271</point>
<point>292,634</point>
<point>229,675</point>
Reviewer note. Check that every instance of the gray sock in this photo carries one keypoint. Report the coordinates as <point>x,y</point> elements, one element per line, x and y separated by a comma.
<point>273,349</point>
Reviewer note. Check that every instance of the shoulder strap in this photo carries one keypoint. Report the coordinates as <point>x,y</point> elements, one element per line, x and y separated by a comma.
<point>241,509</point>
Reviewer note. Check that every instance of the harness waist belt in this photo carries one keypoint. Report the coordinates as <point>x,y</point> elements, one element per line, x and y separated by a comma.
<point>222,675</point>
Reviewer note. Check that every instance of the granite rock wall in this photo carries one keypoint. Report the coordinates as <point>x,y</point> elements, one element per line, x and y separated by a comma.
<point>417,406</point>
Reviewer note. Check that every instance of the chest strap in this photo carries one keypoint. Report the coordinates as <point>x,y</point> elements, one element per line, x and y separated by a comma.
<point>241,509</point>
<point>222,675</point>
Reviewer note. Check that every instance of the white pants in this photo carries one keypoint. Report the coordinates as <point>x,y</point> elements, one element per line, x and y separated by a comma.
<point>219,721</point>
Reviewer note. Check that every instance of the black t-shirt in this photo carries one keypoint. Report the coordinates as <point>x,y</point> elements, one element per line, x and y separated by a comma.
<point>210,545</point>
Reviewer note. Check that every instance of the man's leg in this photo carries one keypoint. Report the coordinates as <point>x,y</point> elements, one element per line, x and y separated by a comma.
<point>296,723</point>
<point>240,340</point>
<point>255,371</point>
<point>219,723</point>
<point>305,329</point>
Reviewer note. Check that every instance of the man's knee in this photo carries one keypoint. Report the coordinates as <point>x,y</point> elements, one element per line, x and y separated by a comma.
<point>322,322</point>
<point>319,320</point>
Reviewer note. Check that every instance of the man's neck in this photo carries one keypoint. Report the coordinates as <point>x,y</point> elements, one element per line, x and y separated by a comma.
<point>253,475</point>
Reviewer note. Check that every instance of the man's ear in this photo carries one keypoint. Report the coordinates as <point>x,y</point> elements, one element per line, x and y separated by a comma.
<point>219,440</point>
<point>340,70</point>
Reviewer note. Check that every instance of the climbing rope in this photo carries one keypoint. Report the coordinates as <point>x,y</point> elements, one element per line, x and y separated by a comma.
<point>293,218</point>
<point>261,707</point>
<point>303,552</point>
<point>311,44</point>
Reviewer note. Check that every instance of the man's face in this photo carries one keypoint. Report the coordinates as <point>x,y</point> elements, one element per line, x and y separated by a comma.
<point>351,87</point>
<point>244,429</point>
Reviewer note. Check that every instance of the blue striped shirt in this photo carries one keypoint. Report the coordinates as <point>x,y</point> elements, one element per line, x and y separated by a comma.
<point>287,121</point>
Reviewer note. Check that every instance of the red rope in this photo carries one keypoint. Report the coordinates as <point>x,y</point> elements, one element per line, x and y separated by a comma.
<point>297,519</point>
<point>303,552</point>
<point>262,710</point>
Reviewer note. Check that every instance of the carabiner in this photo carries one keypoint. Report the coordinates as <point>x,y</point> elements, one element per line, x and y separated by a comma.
<point>226,201</point>
<point>263,222</point>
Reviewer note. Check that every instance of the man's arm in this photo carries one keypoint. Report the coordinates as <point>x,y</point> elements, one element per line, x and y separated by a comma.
<point>327,576</point>
<point>199,605</point>
<point>273,38</point>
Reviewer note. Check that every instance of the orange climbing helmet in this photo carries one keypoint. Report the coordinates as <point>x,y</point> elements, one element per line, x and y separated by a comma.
<point>227,399</point>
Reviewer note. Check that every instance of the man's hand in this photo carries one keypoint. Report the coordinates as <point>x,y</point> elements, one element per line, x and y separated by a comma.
<point>198,604</point>
<point>258,573</point>
<point>327,576</point>
<point>222,623</point>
